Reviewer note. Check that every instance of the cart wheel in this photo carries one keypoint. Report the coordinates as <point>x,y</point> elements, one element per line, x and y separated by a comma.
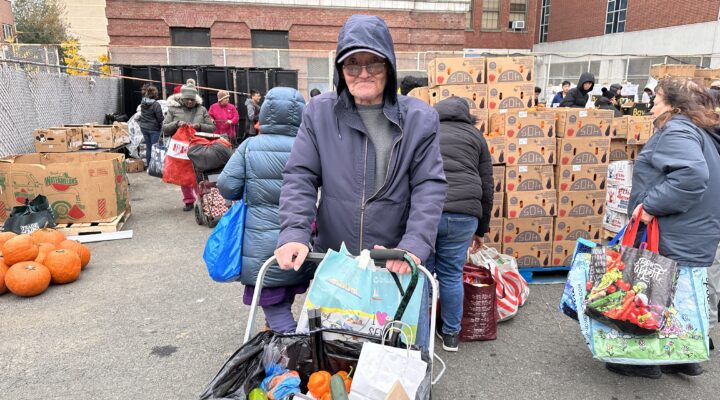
<point>198,215</point>
<point>213,222</point>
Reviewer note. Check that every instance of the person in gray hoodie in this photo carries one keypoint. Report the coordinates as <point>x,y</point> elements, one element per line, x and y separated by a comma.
<point>375,153</point>
<point>676,179</point>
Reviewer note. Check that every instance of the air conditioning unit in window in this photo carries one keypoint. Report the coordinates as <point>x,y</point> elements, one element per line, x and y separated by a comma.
<point>517,25</point>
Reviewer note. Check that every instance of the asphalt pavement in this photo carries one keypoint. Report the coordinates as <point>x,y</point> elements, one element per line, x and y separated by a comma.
<point>144,321</point>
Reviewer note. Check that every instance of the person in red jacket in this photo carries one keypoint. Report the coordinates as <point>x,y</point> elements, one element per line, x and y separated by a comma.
<point>225,116</point>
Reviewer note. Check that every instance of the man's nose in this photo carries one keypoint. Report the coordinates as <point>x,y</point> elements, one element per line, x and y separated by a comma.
<point>364,72</point>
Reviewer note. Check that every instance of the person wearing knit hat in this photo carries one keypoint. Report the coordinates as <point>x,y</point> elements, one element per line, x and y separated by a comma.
<point>225,116</point>
<point>185,109</point>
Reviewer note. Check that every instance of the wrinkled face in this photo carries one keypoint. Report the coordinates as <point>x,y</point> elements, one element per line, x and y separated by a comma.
<point>224,102</point>
<point>660,107</point>
<point>256,98</point>
<point>587,86</point>
<point>566,88</point>
<point>366,77</point>
<point>189,103</point>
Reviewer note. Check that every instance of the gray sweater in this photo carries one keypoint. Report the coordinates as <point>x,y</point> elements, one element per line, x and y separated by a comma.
<point>380,134</point>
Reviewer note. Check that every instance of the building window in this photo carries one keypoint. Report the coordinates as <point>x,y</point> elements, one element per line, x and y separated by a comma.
<point>518,14</point>
<point>275,44</point>
<point>544,20</point>
<point>469,17</point>
<point>491,15</point>
<point>7,31</point>
<point>190,37</point>
<point>615,21</point>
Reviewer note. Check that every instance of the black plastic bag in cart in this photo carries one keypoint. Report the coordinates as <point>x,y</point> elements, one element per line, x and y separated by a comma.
<point>33,215</point>
<point>157,158</point>
<point>244,370</point>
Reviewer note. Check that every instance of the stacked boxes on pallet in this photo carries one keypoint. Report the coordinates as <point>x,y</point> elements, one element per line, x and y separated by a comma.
<point>618,196</point>
<point>583,156</point>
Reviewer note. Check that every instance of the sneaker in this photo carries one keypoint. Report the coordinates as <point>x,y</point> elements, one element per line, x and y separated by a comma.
<point>188,207</point>
<point>450,342</point>
<point>693,369</point>
<point>644,371</point>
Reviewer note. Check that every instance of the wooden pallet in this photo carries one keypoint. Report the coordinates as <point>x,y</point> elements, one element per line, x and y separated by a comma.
<point>91,228</point>
<point>540,275</point>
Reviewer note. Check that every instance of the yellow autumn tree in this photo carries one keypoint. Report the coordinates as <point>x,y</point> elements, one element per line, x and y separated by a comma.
<point>103,59</point>
<point>76,63</point>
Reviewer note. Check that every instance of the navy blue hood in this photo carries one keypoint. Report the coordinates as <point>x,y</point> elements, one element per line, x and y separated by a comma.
<point>281,112</point>
<point>367,32</point>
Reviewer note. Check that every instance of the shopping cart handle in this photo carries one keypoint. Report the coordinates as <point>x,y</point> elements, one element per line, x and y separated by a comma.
<point>387,254</point>
<point>315,257</point>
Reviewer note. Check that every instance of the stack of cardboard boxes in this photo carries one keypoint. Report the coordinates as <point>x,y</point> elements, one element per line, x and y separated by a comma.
<point>69,138</point>
<point>619,178</point>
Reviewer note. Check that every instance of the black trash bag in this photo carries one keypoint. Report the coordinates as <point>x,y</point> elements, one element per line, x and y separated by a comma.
<point>110,118</point>
<point>35,214</point>
<point>209,157</point>
<point>244,370</point>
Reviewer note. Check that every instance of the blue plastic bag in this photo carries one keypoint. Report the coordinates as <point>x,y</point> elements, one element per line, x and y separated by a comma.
<point>223,249</point>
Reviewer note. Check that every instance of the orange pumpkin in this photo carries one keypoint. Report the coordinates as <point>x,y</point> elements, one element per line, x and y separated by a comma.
<point>3,271</point>
<point>44,249</point>
<point>5,236</point>
<point>80,249</point>
<point>47,235</point>
<point>18,249</point>
<point>64,266</point>
<point>27,278</point>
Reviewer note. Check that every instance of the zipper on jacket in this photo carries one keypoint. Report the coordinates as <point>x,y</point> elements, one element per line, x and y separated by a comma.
<point>362,201</point>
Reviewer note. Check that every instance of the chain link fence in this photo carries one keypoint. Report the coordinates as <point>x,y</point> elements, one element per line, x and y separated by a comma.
<point>39,99</point>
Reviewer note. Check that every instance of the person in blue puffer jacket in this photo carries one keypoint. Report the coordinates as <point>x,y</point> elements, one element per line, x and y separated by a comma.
<point>254,173</point>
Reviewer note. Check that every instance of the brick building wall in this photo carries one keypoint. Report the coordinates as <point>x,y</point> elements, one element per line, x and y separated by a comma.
<point>7,26</point>
<point>147,23</point>
<point>503,38</point>
<point>574,19</point>
<point>653,14</point>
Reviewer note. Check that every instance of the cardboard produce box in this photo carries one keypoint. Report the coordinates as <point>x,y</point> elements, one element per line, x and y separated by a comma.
<point>121,134</point>
<point>581,204</point>
<point>576,228</point>
<point>640,129</point>
<point>103,135</point>
<point>133,165</point>
<point>58,140</point>
<point>494,236</point>
<point>660,71</point>
<point>620,172</point>
<point>581,122</point>
<point>81,187</point>
<point>531,151</point>
<point>613,221</point>
<point>618,197</point>
<point>504,96</point>
<point>475,95</point>
<point>574,151</point>
<point>529,254</point>
<point>523,124</point>
<point>620,150</point>
<point>498,178</point>
<point>498,147</point>
<point>531,204</point>
<point>481,120</point>
<point>422,93</point>
<point>528,230</point>
<point>578,177</point>
<point>619,127</point>
<point>562,252</point>
<point>511,69</point>
<point>498,205</point>
<point>526,178</point>
<point>456,71</point>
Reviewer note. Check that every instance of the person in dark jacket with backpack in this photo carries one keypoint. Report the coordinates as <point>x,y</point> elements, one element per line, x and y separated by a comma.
<point>150,120</point>
<point>254,174</point>
<point>466,214</point>
<point>578,96</point>
<point>676,179</point>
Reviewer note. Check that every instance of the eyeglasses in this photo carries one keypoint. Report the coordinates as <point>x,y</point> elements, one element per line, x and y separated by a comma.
<point>356,69</point>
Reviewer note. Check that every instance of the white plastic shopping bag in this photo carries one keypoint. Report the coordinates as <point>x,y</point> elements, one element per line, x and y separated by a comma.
<point>379,367</point>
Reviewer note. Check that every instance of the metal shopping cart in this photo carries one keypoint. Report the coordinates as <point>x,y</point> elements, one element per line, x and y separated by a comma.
<point>307,353</point>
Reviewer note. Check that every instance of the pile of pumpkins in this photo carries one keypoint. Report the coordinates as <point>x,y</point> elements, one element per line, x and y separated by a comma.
<point>29,263</point>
